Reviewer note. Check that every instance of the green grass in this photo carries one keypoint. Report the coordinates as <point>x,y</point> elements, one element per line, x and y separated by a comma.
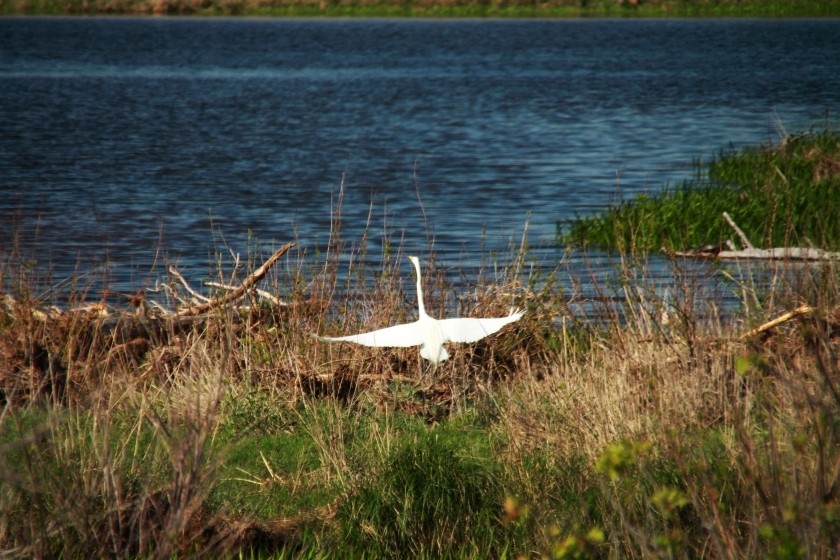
<point>436,496</point>
<point>787,194</point>
<point>432,8</point>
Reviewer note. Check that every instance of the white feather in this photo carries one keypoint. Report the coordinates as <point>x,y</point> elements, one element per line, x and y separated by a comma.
<point>427,332</point>
<point>400,336</point>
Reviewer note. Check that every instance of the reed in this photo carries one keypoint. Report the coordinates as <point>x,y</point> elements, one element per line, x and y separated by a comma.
<point>624,424</point>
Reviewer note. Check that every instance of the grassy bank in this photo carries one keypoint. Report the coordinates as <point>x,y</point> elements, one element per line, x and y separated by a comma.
<point>657,433</point>
<point>432,8</point>
<point>781,195</point>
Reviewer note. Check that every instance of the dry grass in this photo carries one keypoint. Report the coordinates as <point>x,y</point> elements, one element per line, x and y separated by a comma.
<point>118,433</point>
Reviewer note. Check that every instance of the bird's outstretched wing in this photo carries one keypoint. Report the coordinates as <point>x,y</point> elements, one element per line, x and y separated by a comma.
<point>471,330</point>
<point>408,334</point>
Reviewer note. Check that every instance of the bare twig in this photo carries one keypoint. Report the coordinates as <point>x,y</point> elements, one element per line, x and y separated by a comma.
<point>177,275</point>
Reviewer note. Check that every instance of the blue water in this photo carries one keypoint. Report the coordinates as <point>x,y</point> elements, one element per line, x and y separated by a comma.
<point>124,140</point>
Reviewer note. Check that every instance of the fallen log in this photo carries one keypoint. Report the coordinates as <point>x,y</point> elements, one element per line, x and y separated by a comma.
<point>752,252</point>
<point>775,253</point>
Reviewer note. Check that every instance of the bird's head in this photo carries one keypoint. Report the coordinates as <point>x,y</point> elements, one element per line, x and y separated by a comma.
<point>415,261</point>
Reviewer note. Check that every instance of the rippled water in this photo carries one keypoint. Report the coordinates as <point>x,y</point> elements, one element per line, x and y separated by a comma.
<point>120,138</point>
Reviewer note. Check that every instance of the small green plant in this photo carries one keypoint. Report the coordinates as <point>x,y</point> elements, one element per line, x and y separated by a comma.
<point>618,459</point>
<point>579,545</point>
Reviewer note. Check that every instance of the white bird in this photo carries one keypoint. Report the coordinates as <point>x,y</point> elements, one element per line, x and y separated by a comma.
<point>427,332</point>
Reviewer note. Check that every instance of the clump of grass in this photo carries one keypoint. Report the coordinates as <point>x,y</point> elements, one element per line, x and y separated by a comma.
<point>104,478</point>
<point>786,194</point>
<point>431,499</point>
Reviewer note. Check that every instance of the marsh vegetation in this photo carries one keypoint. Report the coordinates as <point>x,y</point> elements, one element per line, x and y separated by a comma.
<point>433,8</point>
<point>781,195</point>
<point>659,431</point>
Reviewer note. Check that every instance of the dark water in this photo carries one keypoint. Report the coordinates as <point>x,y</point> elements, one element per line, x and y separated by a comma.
<point>122,139</point>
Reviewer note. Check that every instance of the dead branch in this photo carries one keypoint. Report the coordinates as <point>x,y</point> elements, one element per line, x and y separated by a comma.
<point>261,293</point>
<point>740,233</point>
<point>240,291</point>
<point>801,310</point>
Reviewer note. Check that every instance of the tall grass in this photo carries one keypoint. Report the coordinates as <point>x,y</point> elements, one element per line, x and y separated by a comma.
<point>656,431</point>
<point>433,497</point>
<point>785,194</point>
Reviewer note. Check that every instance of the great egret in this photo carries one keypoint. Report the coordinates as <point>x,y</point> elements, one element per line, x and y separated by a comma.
<point>427,332</point>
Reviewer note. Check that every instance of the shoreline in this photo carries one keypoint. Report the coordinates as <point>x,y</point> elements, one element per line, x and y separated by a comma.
<point>560,9</point>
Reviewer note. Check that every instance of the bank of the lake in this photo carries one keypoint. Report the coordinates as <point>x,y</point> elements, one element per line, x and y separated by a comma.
<point>780,195</point>
<point>430,8</point>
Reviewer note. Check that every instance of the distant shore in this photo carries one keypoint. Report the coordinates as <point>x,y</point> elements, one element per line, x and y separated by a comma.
<point>429,8</point>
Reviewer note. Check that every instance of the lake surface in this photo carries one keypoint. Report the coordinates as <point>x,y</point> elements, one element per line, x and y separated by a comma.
<point>125,139</point>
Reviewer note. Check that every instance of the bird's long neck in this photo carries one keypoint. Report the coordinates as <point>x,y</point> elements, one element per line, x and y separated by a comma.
<point>420,306</point>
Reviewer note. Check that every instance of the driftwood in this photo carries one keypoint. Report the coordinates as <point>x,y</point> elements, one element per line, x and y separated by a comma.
<point>142,331</point>
<point>775,253</point>
<point>752,252</point>
<point>149,315</point>
<point>238,292</point>
<point>801,310</point>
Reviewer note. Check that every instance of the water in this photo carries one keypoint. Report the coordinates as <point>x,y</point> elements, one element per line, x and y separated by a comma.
<point>122,140</point>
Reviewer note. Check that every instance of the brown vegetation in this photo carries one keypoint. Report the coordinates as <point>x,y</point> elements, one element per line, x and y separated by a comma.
<point>557,385</point>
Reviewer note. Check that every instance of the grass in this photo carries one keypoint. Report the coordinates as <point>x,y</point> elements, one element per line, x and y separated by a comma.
<point>567,435</point>
<point>785,194</point>
<point>436,495</point>
<point>433,8</point>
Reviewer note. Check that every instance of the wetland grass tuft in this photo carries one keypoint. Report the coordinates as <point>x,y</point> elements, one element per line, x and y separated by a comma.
<point>786,194</point>
<point>431,499</point>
